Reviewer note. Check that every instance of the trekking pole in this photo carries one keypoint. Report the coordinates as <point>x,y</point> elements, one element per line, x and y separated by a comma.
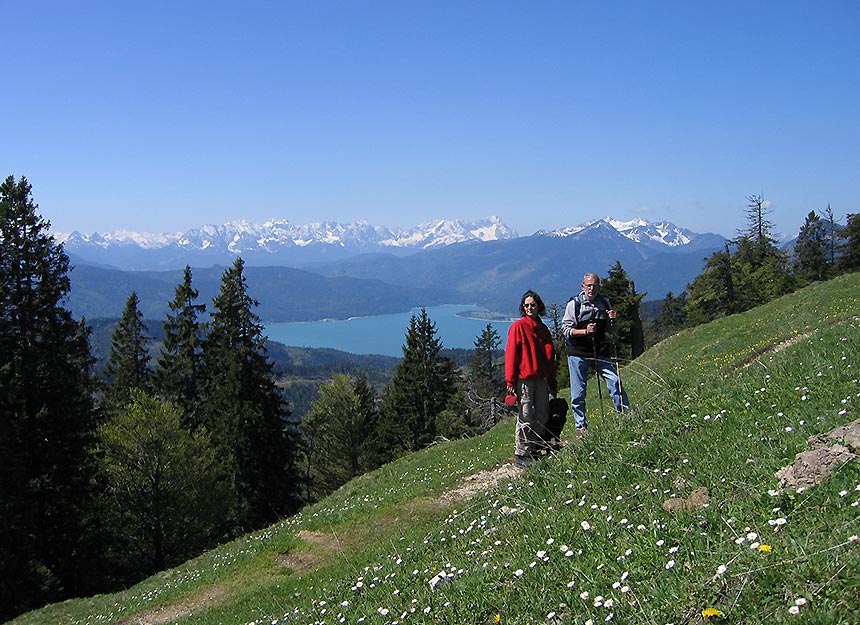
<point>617,367</point>
<point>597,375</point>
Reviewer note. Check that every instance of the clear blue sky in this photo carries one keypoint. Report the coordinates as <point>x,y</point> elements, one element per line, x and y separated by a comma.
<point>164,116</point>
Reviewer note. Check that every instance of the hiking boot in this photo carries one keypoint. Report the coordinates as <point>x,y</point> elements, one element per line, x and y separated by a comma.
<point>523,461</point>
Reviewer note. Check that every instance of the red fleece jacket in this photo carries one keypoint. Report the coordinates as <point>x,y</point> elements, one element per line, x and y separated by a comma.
<point>530,352</point>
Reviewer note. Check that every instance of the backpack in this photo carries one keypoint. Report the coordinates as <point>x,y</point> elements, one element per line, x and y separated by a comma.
<point>577,306</point>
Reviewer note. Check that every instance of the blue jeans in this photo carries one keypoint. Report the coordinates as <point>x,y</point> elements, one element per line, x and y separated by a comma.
<point>579,374</point>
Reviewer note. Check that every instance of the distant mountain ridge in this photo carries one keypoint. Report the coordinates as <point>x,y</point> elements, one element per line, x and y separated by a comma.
<point>278,242</point>
<point>358,269</point>
<point>275,242</point>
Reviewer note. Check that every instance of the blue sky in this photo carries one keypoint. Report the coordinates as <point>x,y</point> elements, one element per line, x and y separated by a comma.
<point>164,116</point>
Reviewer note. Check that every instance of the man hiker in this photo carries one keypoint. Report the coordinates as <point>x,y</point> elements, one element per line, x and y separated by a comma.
<point>584,326</point>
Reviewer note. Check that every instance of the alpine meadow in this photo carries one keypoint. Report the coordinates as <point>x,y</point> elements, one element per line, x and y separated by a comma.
<point>729,493</point>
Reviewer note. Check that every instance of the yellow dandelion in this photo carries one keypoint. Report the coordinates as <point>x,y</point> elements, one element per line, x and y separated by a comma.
<point>765,548</point>
<point>497,618</point>
<point>711,613</point>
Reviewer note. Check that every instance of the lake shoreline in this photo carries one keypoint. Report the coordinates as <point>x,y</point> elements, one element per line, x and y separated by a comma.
<point>458,326</point>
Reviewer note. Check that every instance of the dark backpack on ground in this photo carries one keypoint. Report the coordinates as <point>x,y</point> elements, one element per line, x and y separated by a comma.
<point>557,418</point>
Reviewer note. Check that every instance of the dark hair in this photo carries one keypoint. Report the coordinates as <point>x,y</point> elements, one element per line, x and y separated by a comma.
<point>541,308</point>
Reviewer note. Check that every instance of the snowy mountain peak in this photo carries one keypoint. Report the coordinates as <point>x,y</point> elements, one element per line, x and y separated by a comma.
<point>639,230</point>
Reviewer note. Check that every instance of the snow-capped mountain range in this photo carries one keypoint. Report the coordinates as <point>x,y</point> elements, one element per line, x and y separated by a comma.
<point>359,269</point>
<point>242,236</point>
<point>281,242</point>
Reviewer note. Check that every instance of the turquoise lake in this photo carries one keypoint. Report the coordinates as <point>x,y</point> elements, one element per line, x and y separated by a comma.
<point>386,334</point>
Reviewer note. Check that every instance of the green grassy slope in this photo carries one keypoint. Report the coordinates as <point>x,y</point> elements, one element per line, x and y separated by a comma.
<point>583,537</point>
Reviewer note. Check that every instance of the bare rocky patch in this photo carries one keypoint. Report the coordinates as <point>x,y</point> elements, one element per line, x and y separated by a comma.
<point>695,501</point>
<point>827,453</point>
<point>480,482</point>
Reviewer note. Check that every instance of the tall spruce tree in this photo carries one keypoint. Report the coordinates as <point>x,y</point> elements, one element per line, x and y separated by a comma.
<point>243,408</point>
<point>128,364</point>
<point>46,413</point>
<point>832,236</point>
<point>485,373</point>
<point>849,248</point>
<point>367,405</point>
<point>177,377</point>
<point>673,316</point>
<point>621,292</point>
<point>810,250</point>
<point>422,385</point>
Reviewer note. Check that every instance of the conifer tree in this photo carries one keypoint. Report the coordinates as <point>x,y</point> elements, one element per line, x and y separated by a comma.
<point>810,250</point>
<point>712,293</point>
<point>459,418</point>
<point>621,292</point>
<point>759,229</point>
<point>367,407</point>
<point>243,408</point>
<point>46,413</point>
<point>128,364</point>
<point>484,371</point>
<point>760,273</point>
<point>338,432</point>
<point>420,389</point>
<point>832,236</point>
<point>177,377</point>
<point>673,316</point>
<point>849,258</point>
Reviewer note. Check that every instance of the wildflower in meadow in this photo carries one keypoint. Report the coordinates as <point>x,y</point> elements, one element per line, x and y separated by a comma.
<point>711,613</point>
<point>765,548</point>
